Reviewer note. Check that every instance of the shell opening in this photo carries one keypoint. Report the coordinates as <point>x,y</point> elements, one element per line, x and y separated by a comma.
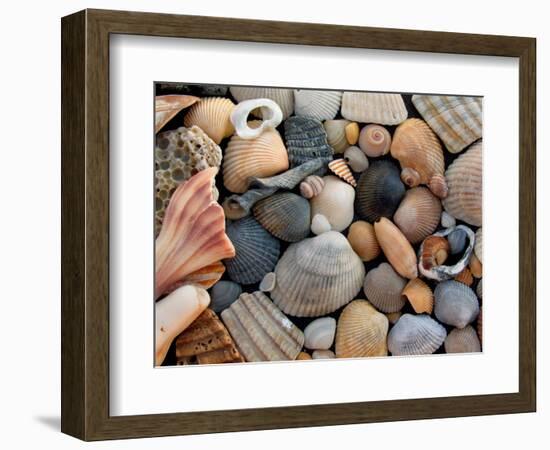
<point>410,177</point>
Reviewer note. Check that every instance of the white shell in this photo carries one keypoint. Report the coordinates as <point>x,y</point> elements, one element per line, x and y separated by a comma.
<point>268,282</point>
<point>272,115</point>
<point>356,159</point>
<point>372,107</point>
<point>283,97</point>
<point>447,221</point>
<point>321,105</point>
<point>323,354</point>
<point>335,202</point>
<point>320,333</point>
<point>319,224</point>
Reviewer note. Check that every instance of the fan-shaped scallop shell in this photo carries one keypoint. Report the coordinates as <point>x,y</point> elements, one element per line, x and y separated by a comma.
<point>456,120</point>
<point>283,97</point>
<point>379,191</point>
<point>383,287</point>
<point>223,293</point>
<point>285,215</point>
<point>465,182</point>
<point>261,331</point>
<point>311,186</point>
<point>317,276</point>
<point>462,340</point>
<point>455,303</point>
<point>335,202</point>
<point>415,335</point>
<point>478,246</point>
<point>212,116</point>
<point>375,140</point>
<point>306,140</point>
<point>340,168</point>
<point>336,134</point>
<point>256,251</point>
<point>321,105</point>
<point>362,239</point>
<point>419,295</point>
<point>372,107</point>
<point>362,331</point>
<point>397,249</point>
<point>167,106</point>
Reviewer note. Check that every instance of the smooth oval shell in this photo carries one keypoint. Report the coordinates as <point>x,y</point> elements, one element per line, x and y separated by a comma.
<point>362,239</point>
<point>373,107</point>
<point>397,249</point>
<point>352,132</point>
<point>335,202</point>
<point>383,287</point>
<point>311,186</point>
<point>272,115</point>
<point>478,246</point>
<point>462,340</point>
<point>455,303</point>
<point>268,282</point>
<point>340,168</point>
<point>320,333</point>
<point>223,293</point>
<point>319,224</point>
<point>212,115</point>
<point>418,214</point>
<point>362,331</point>
<point>317,276</point>
<point>320,105</point>
<point>336,134</point>
<point>415,335</point>
<point>419,295</point>
<point>374,140</point>
<point>306,140</point>
<point>356,159</point>
<point>283,97</point>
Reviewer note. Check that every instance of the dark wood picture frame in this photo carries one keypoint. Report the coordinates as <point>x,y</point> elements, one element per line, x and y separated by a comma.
<point>85,224</point>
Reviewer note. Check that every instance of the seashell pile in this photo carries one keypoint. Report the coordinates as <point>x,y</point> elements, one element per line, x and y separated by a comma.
<point>300,224</point>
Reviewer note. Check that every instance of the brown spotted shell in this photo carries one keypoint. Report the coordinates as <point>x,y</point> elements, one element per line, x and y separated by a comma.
<point>419,295</point>
<point>362,239</point>
<point>397,248</point>
<point>211,115</point>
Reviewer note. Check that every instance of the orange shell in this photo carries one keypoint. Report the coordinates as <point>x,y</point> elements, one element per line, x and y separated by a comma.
<point>435,251</point>
<point>475,267</point>
<point>465,277</point>
<point>397,248</point>
<point>419,295</point>
<point>362,239</point>
<point>212,116</point>
<point>340,168</point>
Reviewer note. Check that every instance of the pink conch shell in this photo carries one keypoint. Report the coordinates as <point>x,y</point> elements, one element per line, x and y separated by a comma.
<point>167,106</point>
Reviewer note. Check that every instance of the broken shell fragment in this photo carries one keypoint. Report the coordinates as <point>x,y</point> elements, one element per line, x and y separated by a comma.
<point>419,295</point>
<point>272,116</point>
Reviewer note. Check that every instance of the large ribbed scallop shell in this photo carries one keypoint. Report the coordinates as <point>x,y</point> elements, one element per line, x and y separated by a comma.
<point>362,239</point>
<point>340,168</point>
<point>263,156</point>
<point>285,215</point>
<point>306,140</point>
<point>167,106</point>
<point>419,295</point>
<point>375,140</point>
<point>397,249</point>
<point>379,191</point>
<point>383,287</point>
<point>320,105</point>
<point>372,107</point>
<point>256,251</point>
<point>283,97</point>
<point>336,134</point>
<point>478,246</point>
<point>418,214</point>
<point>362,331</point>
<point>212,116</point>
<point>456,120</point>
<point>465,182</point>
<point>415,335</point>
<point>317,276</point>
<point>455,303</point>
<point>462,340</point>
<point>335,202</point>
<point>261,331</point>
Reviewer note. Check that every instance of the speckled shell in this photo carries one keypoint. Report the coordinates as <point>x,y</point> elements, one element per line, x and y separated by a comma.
<point>306,140</point>
<point>372,107</point>
<point>317,276</point>
<point>375,140</point>
<point>456,120</point>
<point>362,239</point>
<point>336,134</point>
<point>379,191</point>
<point>335,202</point>
<point>167,106</point>
<point>256,251</point>
<point>419,295</point>
<point>465,182</point>
<point>320,333</point>
<point>320,105</point>
<point>383,287</point>
<point>455,303</point>
<point>415,335</point>
<point>478,246</point>
<point>283,97</point>
<point>261,331</point>
<point>340,168</point>
<point>212,116</point>
<point>356,159</point>
<point>285,215</point>
<point>311,186</point>
<point>362,331</point>
<point>223,293</point>
<point>418,214</point>
<point>397,249</point>
<point>462,340</point>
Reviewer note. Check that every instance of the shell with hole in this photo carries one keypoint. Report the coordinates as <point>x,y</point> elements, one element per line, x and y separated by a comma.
<point>212,116</point>
<point>362,239</point>
<point>397,248</point>
<point>306,139</point>
<point>356,159</point>
<point>320,105</point>
<point>415,335</point>
<point>320,333</point>
<point>336,134</point>
<point>383,287</point>
<point>239,117</point>
<point>167,106</point>
<point>462,340</point>
<point>283,97</point>
<point>373,107</point>
<point>419,295</point>
<point>375,140</point>
<point>455,303</point>
<point>335,202</point>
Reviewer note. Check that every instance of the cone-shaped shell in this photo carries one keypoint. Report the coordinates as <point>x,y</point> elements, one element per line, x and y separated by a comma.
<point>362,239</point>
<point>372,107</point>
<point>167,106</point>
<point>263,156</point>
<point>317,276</point>
<point>256,251</point>
<point>306,140</point>
<point>340,168</point>
<point>375,140</point>
<point>335,202</point>
<point>311,186</point>
<point>212,116</point>
<point>462,340</point>
<point>456,120</point>
<point>415,335</point>
<point>383,287</point>
<point>465,182</point>
<point>285,215</point>
<point>320,333</point>
<point>320,105</point>
<point>283,97</point>
<point>362,331</point>
<point>478,246</point>
<point>397,249</point>
<point>418,214</point>
<point>223,293</point>
<point>455,303</point>
<point>356,159</point>
<point>261,331</point>
<point>419,295</point>
<point>336,134</point>
<point>379,191</point>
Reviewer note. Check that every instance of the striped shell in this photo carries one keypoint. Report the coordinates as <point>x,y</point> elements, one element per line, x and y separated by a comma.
<point>340,168</point>
<point>383,287</point>
<point>283,97</point>
<point>462,340</point>
<point>167,106</point>
<point>205,277</point>
<point>212,116</point>
<point>317,276</point>
<point>478,246</point>
<point>418,214</point>
<point>465,277</point>
<point>362,331</point>
<point>320,333</point>
<point>455,303</point>
<point>362,239</point>
<point>397,249</point>
<point>335,202</point>
<point>375,140</point>
<point>223,293</point>
<point>311,186</point>
<point>465,181</point>
<point>285,215</point>
<point>261,331</point>
<point>456,120</point>
<point>415,335</point>
<point>419,295</point>
<point>256,251</point>
<point>320,105</point>
<point>372,107</point>
<point>336,134</point>
<point>306,140</point>
<point>356,159</point>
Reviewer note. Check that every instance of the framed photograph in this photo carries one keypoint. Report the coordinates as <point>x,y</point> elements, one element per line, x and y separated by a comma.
<point>273,225</point>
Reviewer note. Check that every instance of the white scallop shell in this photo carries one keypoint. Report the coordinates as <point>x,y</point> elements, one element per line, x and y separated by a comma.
<point>321,105</point>
<point>373,107</point>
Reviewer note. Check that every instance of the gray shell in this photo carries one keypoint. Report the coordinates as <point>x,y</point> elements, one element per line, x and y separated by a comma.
<point>222,294</point>
<point>462,340</point>
<point>479,288</point>
<point>455,303</point>
<point>415,335</point>
<point>383,287</point>
<point>457,240</point>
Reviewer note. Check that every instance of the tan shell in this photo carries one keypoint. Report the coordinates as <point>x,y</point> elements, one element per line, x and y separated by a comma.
<point>419,295</point>
<point>352,133</point>
<point>212,116</point>
<point>373,107</point>
<point>362,239</point>
<point>375,140</point>
<point>475,267</point>
<point>465,277</point>
<point>465,182</point>
<point>397,248</point>
<point>394,317</point>
<point>336,134</point>
<point>283,97</point>
<point>340,168</point>
<point>383,288</point>
<point>303,356</point>
<point>462,340</point>
<point>478,246</point>
<point>362,331</point>
<point>335,202</point>
<point>167,106</point>
<point>311,186</point>
<point>263,156</point>
<point>418,214</point>
<point>356,159</point>
<point>419,152</point>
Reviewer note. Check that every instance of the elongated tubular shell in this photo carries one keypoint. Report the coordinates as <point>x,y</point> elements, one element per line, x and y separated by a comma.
<point>372,107</point>
<point>375,140</point>
<point>419,295</point>
<point>340,168</point>
<point>462,340</point>
<point>362,239</point>
<point>415,335</point>
<point>212,116</point>
<point>306,139</point>
<point>321,105</point>
<point>335,202</point>
<point>383,287</point>
<point>362,331</point>
<point>283,97</point>
<point>192,234</point>
<point>261,331</point>
<point>336,134</point>
<point>167,106</point>
<point>273,116</point>
<point>397,248</point>
<point>455,303</point>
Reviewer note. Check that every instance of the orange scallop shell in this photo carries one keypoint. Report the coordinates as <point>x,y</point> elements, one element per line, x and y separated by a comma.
<point>212,116</point>
<point>419,295</point>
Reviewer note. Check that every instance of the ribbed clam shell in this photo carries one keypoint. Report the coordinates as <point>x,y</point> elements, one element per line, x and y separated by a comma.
<point>340,168</point>
<point>261,331</point>
<point>335,202</point>
<point>212,116</point>
<point>415,335</point>
<point>455,303</point>
<point>263,156</point>
<point>462,340</point>
<point>256,251</point>
<point>418,214</point>
<point>478,246</point>
<point>311,186</point>
<point>336,134</point>
<point>352,133</point>
<point>356,159</point>
<point>465,182</point>
<point>167,106</point>
<point>317,276</point>
<point>372,107</point>
<point>223,293</point>
<point>362,239</point>
<point>419,295</point>
<point>283,97</point>
<point>285,215</point>
<point>383,287</point>
<point>306,140</point>
<point>320,105</point>
<point>456,120</point>
<point>397,249</point>
<point>362,331</point>
<point>375,140</point>
<point>320,333</point>
<point>379,191</point>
